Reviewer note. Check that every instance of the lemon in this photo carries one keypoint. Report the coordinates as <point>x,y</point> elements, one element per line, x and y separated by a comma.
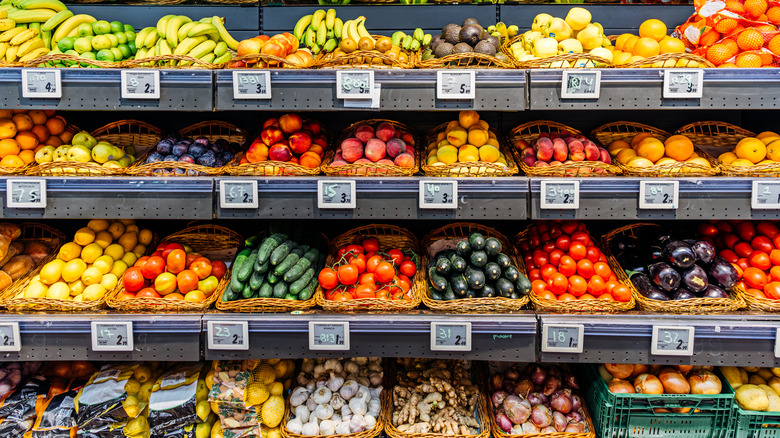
<point>273,433</point>
<point>145,392</point>
<point>116,229</point>
<point>202,430</point>
<point>58,291</point>
<point>128,241</point>
<point>73,269</point>
<point>115,251</point>
<point>256,394</point>
<point>84,236</point>
<point>129,259</point>
<point>272,411</point>
<point>277,388</point>
<point>138,425</point>
<point>91,275</point>
<point>109,281</point>
<point>143,374</point>
<point>104,238</point>
<point>132,386</point>
<point>91,252</point>
<point>35,289</point>
<point>105,263</point>
<point>139,250</point>
<point>77,287</point>
<point>94,292</point>
<point>98,225</point>
<point>216,431</point>
<point>69,251</point>
<point>119,268</point>
<point>202,410</point>
<point>52,271</point>
<point>145,237</point>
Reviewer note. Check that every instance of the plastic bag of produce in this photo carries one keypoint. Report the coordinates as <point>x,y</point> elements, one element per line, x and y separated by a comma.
<point>248,432</point>
<point>58,419</point>
<point>230,381</point>
<point>12,374</point>
<point>19,408</point>
<point>175,398</point>
<point>111,396</point>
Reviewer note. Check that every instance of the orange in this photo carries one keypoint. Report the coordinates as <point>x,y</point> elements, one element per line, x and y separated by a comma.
<point>735,6</point>
<point>650,148</point>
<point>37,117</point>
<point>628,46</point>
<point>66,137</point>
<point>718,54</point>
<point>774,45</point>
<point>23,122</point>
<point>751,149</point>
<point>6,114</point>
<point>41,132</point>
<point>766,58</point>
<point>671,45</point>
<point>750,39</point>
<point>620,42</point>
<point>27,156</point>
<point>27,140</point>
<point>727,157</point>
<point>639,162</point>
<point>732,45</point>
<point>728,65</point>
<point>56,125</point>
<point>708,38</point>
<point>639,137</point>
<point>652,28</point>
<point>617,145</point>
<point>726,25</point>
<point>646,47</point>
<point>679,147</point>
<point>625,155</point>
<point>11,161</point>
<point>8,146</point>
<point>748,60</point>
<point>773,14</point>
<point>54,141</point>
<point>741,163</point>
<point>756,8</point>
<point>7,129</point>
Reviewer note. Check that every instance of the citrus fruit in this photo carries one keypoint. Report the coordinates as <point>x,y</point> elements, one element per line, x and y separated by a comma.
<point>749,60</point>
<point>617,145</point>
<point>646,47</point>
<point>726,25</point>
<point>718,54</point>
<point>750,39</point>
<point>671,45</point>
<point>650,148</point>
<point>727,157</point>
<point>708,38</point>
<point>755,8</point>
<point>624,155</point>
<point>678,147</point>
<point>751,149</point>
<point>652,28</point>
<point>639,137</point>
<point>639,162</point>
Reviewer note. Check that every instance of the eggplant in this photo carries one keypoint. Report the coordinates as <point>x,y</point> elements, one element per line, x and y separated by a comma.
<point>722,272</point>
<point>665,277</point>
<point>683,294</point>
<point>632,262</point>
<point>704,251</point>
<point>652,254</point>
<point>715,292</point>
<point>623,243</point>
<point>695,279</point>
<point>679,254</point>
<point>645,286</point>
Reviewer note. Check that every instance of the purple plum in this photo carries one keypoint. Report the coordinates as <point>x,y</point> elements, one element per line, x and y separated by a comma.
<point>155,157</point>
<point>207,159</point>
<point>164,147</point>
<point>171,158</point>
<point>196,150</point>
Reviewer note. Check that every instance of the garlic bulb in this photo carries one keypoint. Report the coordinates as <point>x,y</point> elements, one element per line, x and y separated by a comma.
<point>343,428</point>
<point>370,421</point>
<point>307,366</point>
<point>311,385</point>
<point>322,395</point>
<point>336,418</point>
<point>333,366</point>
<point>311,405</point>
<point>323,412</point>
<point>327,427</point>
<point>358,406</point>
<point>351,367</point>
<point>302,413</point>
<point>335,382</point>
<point>346,411</point>
<point>310,429</point>
<point>319,371</point>
<point>375,392</point>
<point>298,396</point>
<point>357,424</point>
<point>349,389</point>
<point>322,381</point>
<point>336,401</point>
<point>295,426</point>
<point>374,406</point>
<point>363,394</point>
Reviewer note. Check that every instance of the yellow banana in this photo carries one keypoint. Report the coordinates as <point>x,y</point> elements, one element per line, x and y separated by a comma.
<point>10,33</point>
<point>58,18</point>
<point>34,54</point>
<point>140,37</point>
<point>32,15</point>
<point>361,28</point>
<point>3,13</point>
<point>207,29</point>
<point>317,18</point>
<point>172,29</point>
<point>184,30</point>
<point>188,44</point>
<point>165,49</point>
<point>151,39</point>
<point>223,33</point>
<point>210,57</point>
<point>31,44</point>
<point>24,36</point>
<point>69,25</point>
<point>330,19</point>
<point>3,48</point>
<point>157,47</point>
<point>161,25</point>
<point>322,35</point>
<point>220,49</point>
<point>6,24</point>
<point>54,5</point>
<point>202,49</point>
<point>10,54</point>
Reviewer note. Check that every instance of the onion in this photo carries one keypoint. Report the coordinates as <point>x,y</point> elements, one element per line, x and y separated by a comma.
<point>549,429</point>
<point>684,368</point>
<point>620,370</point>
<point>554,370</point>
<point>508,385</point>
<point>639,369</point>
<point>575,427</point>
<point>496,381</point>
<point>538,375</point>
<point>662,411</point>
<point>704,382</point>
<point>648,384</point>
<point>516,409</point>
<point>674,382</point>
<point>561,401</point>
<point>512,374</point>
<point>574,416</point>
<point>524,387</point>
<point>529,428</point>
<point>498,397</point>
<point>571,382</point>
<point>536,398</point>
<point>552,384</point>
<point>541,416</point>
<point>620,386</point>
<point>559,421</point>
<point>576,402</point>
<point>503,422</point>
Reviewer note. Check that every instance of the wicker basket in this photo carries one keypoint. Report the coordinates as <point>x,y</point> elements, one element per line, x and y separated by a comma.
<point>715,138</point>
<point>374,169</point>
<point>591,61</point>
<point>201,238</point>
<point>69,168</point>
<point>375,431</point>
<point>372,59</point>
<point>531,131</point>
<point>470,168</point>
<point>77,61</point>
<point>465,60</point>
<point>169,61</point>
<point>668,60</point>
<point>498,433</point>
<point>141,135</point>
<point>260,60</point>
<point>389,236</point>
<point>694,305</point>
<point>482,415</point>
<point>753,302</point>
<point>461,230</point>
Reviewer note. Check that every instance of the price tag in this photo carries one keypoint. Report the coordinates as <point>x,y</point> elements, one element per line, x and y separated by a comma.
<point>581,84</point>
<point>251,84</point>
<point>672,341</point>
<point>777,343</point>
<point>765,195</point>
<point>683,84</point>
<point>560,195</point>
<point>112,336</point>
<point>449,336</point>
<point>224,335</point>
<point>354,84</point>
<point>455,84</point>
<point>238,193</point>
<point>563,338</point>
<point>45,83</point>
<point>328,335</point>
<point>659,194</point>
<point>439,194</point>
<point>368,102</point>
<point>9,337</point>
<point>336,194</point>
<point>140,84</point>
<point>25,193</point>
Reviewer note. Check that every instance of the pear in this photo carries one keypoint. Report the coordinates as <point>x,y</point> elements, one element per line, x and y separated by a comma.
<point>79,153</point>
<point>83,138</point>
<point>61,153</point>
<point>113,164</point>
<point>578,18</point>
<point>45,155</point>
<point>103,152</point>
<point>126,160</point>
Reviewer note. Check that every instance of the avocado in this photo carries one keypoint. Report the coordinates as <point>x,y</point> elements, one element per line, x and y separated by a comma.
<point>502,57</point>
<point>443,49</point>
<point>451,33</point>
<point>470,34</point>
<point>485,48</point>
<point>435,41</point>
<point>493,40</point>
<point>470,21</point>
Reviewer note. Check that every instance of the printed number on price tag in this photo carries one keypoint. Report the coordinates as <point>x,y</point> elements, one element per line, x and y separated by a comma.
<point>683,84</point>
<point>42,83</point>
<point>25,193</point>
<point>672,341</point>
<point>9,337</point>
<point>336,194</point>
<point>140,84</point>
<point>238,194</point>
<point>439,194</point>
<point>457,84</point>
<point>251,84</point>
<point>564,338</point>
<point>449,336</point>
<point>224,335</point>
<point>659,194</point>
<point>112,336</point>
<point>560,195</point>
<point>581,84</point>
<point>328,335</point>
<point>765,195</point>
<point>354,84</point>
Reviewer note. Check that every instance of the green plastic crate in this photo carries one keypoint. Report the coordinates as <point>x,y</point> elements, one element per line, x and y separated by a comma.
<point>632,416</point>
<point>755,424</point>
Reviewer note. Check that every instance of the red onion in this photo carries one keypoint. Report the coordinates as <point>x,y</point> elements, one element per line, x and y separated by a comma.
<point>503,422</point>
<point>538,375</point>
<point>529,428</point>
<point>537,398</point>
<point>552,384</point>
<point>554,371</point>
<point>575,427</point>
<point>512,374</point>
<point>541,416</point>
<point>571,382</point>
<point>524,387</point>
<point>516,409</point>
<point>576,402</point>
<point>559,421</point>
<point>561,401</point>
<point>498,398</point>
<point>496,381</point>
<point>574,416</point>
<point>548,429</point>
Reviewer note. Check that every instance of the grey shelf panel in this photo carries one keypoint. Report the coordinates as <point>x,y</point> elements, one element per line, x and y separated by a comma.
<point>494,337</point>
<point>642,89</point>
<point>57,336</point>
<point>402,90</point>
<point>739,339</point>
<point>99,89</point>
<point>119,197</point>
<point>385,198</point>
<point>618,198</point>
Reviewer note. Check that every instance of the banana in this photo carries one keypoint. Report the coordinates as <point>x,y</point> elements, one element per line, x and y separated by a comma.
<point>157,47</point>
<point>165,49</point>
<point>397,37</point>
<point>3,13</point>
<point>36,26</point>
<point>34,54</point>
<point>415,45</point>
<point>315,49</point>
<point>300,27</point>
<point>141,36</point>
<point>161,25</point>
<point>223,33</point>
<point>350,31</point>
<point>54,5</point>
<point>207,29</point>
<point>317,18</point>
<point>338,27</point>
<point>141,53</point>
<point>330,45</point>
<point>427,39</point>
<point>24,36</point>
<point>151,39</point>
<point>407,42</point>
<point>69,25</point>
<point>220,49</point>
<point>322,35</point>
<point>6,24</point>
<point>418,34</point>
<point>10,33</point>
<point>202,49</point>
<point>3,48</point>
<point>29,45</point>
<point>185,29</point>
<point>330,18</point>
<point>188,44</point>
<point>32,15</point>
<point>223,59</point>
<point>46,37</point>
<point>172,29</point>
<point>310,37</point>
<point>210,57</point>
<point>58,18</point>
<point>10,54</point>
<point>361,28</point>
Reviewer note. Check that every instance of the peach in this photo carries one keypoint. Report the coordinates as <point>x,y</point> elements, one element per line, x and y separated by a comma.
<point>457,137</point>
<point>280,152</point>
<point>520,144</point>
<point>555,163</point>
<point>577,156</point>
<point>468,118</point>
<point>300,142</point>
<point>576,146</point>
<point>544,150</point>
<point>409,150</point>
<point>477,136</point>
<point>351,149</point>
<point>408,138</point>
<point>404,160</point>
<point>605,157</point>
<point>560,151</point>
<point>290,123</point>
<point>541,164</point>
<point>314,127</point>
<point>262,38</point>
<point>364,161</point>
<point>294,60</point>
<point>529,160</point>
<point>275,48</point>
<point>364,133</point>
<point>585,170</point>
<point>386,161</point>
<point>385,131</point>
<point>528,152</point>
<point>271,135</point>
<point>249,47</point>
<point>320,141</point>
<point>395,146</point>
<point>543,142</point>
<point>273,121</point>
<point>376,149</point>
<point>592,152</point>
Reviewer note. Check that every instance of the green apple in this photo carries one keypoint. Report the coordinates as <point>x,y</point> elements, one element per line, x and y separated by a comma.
<point>84,139</point>
<point>545,47</point>
<point>558,29</point>
<point>84,29</point>
<point>101,27</point>
<point>101,42</point>
<point>82,45</point>
<point>61,153</point>
<point>45,154</point>
<point>79,153</point>
<point>569,46</point>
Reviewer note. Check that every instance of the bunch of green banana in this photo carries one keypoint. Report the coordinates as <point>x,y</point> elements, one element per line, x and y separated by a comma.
<point>321,31</point>
<point>413,42</point>
<point>414,2</point>
<point>206,39</point>
<point>502,31</point>
<point>21,45</point>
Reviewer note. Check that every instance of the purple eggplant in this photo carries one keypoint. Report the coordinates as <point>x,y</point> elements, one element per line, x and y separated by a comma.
<point>679,254</point>
<point>715,292</point>
<point>723,273</point>
<point>695,279</point>
<point>683,294</point>
<point>665,277</point>
<point>704,251</point>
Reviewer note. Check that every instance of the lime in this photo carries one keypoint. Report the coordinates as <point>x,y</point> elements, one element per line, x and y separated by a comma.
<point>121,37</point>
<point>84,29</point>
<point>130,35</point>
<point>87,55</point>
<point>105,55</point>
<point>132,47</point>
<point>101,27</point>
<point>129,28</point>
<point>66,44</point>
<point>74,53</point>
<point>116,27</point>
<point>125,50</point>
<point>101,42</point>
<point>82,45</point>
<point>114,40</point>
<point>117,53</point>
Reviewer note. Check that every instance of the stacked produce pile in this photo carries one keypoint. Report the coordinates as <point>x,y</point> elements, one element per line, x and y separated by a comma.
<point>469,37</point>
<point>84,36</point>
<point>84,148</point>
<point>465,140</point>
<point>646,150</point>
<point>651,41</point>
<point>200,151</point>
<point>750,151</point>
<point>288,139</point>
<point>755,389</point>
<point>655,379</point>
<point>178,405</point>
<point>205,39</point>
<point>381,143</point>
<point>18,258</point>
<point>562,147</point>
<point>283,45</point>
<point>25,134</point>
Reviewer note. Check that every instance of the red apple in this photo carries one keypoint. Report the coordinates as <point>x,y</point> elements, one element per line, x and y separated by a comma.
<point>272,135</point>
<point>280,152</point>
<point>300,142</point>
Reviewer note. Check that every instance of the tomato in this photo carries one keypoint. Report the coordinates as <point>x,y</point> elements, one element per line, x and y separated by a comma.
<point>725,227</point>
<point>611,285</point>
<point>187,281</point>
<point>730,240</point>
<point>372,263</point>
<point>408,268</point>
<point>218,269</point>
<point>557,283</point>
<point>538,286</point>
<point>596,285</point>
<point>524,247</point>
<point>355,249</point>
<point>396,255</point>
<point>587,296</point>
<point>762,243</point>
<point>706,229</point>
<point>768,229</point>
<point>534,274</point>
<point>774,256</point>
<point>147,292</point>
<point>365,291</point>
<point>133,279</point>
<point>170,247</point>
<point>755,278</point>
<point>760,260</point>
<point>585,268</point>
<point>384,272</point>
<point>577,251</point>
<point>555,256</point>
<point>202,267</point>
<point>582,237</point>
<point>743,249</point>
<point>161,246</point>
<point>140,262</point>
<point>746,230</point>
<point>577,285</point>
<point>394,289</point>
<point>383,294</point>
<point>328,278</point>
<point>621,293</point>
<point>602,258</point>
<point>602,270</point>
<point>125,295</point>
<point>606,297</point>
<point>772,290</point>
<point>545,236</point>
<point>340,253</point>
<point>370,244</point>
<point>367,278</point>
<point>347,274</point>
<point>563,242</point>
<point>153,267</point>
<point>541,258</point>
<point>399,295</point>
<point>534,241</point>
<point>567,297</point>
<point>592,253</point>
<point>732,257</point>
<point>548,271</point>
<point>567,266</point>
<point>341,296</point>
<point>548,247</point>
<point>569,227</point>
<point>755,292</point>
<point>774,273</point>
<point>360,262</point>
<point>555,232</point>
<point>404,283</point>
<point>739,270</point>
<point>743,263</point>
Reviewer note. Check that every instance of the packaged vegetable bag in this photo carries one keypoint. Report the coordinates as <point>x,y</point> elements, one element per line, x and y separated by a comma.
<point>179,398</point>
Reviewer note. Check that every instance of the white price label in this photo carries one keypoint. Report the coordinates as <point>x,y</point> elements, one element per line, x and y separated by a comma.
<point>140,84</point>
<point>672,341</point>
<point>659,194</point>
<point>563,338</point>
<point>765,195</point>
<point>112,336</point>
<point>25,193</point>
<point>9,337</point>
<point>354,84</point>
<point>455,84</point>
<point>683,84</point>
<point>450,336</point>
<point>224,335</point>
<point>560,195</point>
<point>581,84</point>
<point>336,194</point>
<point>238,193</point>
<point>328,335</point>
<point>438,194</point>
<point>45,83</point>
<point>251,84</point>
<point>367,102</point>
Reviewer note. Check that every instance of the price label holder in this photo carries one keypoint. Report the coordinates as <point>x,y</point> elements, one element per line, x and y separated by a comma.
<point>238,193</point>
<point>456,84</point>
<point>336,194</point>
<point>41,83</point>
<point>371,102</point>
<point>112,336</point>
<point>354,84</point>
<point>765,195</point>
<point>581,84</point>
<point>563,338</point>
<point>228,335</point>
<point>659,194</point>
<point>9,337</point>
<point>435,194</point>
<point>683,84</point>
<point>328,335</point>
<point>777,343</point>
<point>140,84</point>
<point>251,84</point>
<point>25,193</point>
<point>672,341</point>
<point>450,336</point>
<point>560,195</point>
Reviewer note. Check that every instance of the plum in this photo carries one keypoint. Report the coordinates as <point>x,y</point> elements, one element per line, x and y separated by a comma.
<point>155,157</point>
<point>165,146</point>
<point>187,158</point>
<point>207,159</point>
<point>202,140</point>
<point>180,149</point>
<point>196,149</point>
<point>226,156</point>
<point>171,158</point>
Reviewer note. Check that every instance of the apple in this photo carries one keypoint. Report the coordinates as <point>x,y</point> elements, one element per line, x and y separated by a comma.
<point>208,285</point>
<point>165,283</point>
<point>300,142</point>
<point>272,135</point>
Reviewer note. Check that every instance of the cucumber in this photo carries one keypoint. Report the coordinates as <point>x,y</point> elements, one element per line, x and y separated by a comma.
<point>290,297</point>
<point>268,245</point>
<point>286,264</point>
<point>438,283</point>
<point>477,241</point>
<point>512,274</point>
<point>271,278</point>
<point>296,271</point>
<point>246,268</point>
<point>523,285</point>
<point>308,291</point>
<point>253,241</point>
<point>443,266</point>
<point>503,260</point>
<point>247,291</point>
<point>235,283</point>
<point>505,288</point>
<point>492,246</point>
<point>312,254</point>
<point>492,271</point>
<point>256,280</point>
<point>280,252</point>
<point>240,259</point>
<point>280,289</point>
<point>229,294</point>
<point>262,268</point>
<point>266,290</point>
<point>297,286</point>
<point>458,284</point>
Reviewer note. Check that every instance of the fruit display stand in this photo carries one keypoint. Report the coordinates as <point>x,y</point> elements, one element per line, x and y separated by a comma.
<point>479,169</point>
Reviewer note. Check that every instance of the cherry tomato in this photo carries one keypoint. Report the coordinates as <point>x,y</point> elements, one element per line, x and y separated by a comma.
<point>371,244</point>
<point>348,274</point>
<point>408,268</point>
<point>384,272</point>
<point>383,294</point>
<point>743,249</point>
<point>328,278</point>
<point>548,247</point>
<point>405,283</point>
<point>355,249</point>
<point>367,278</point>
<point>342,251</point>
<point>710,230</point>
<point>372,263</point>
<point>762,243</point>
<point>342,296</point>
<point>396,255</point>
<point>746,231</point>
<point>569,227</point>
<point>582,237</point>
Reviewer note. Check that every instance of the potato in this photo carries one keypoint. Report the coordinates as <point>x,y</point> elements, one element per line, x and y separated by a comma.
<point>743,375</point>
<point>765,373</point>
<point>774,383</point>
<point>755,379</point>
<point>776,371</point>
<point>774,399</point>
<point>732,375</point>
<point>751,369</point>
<point>751,397</point>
